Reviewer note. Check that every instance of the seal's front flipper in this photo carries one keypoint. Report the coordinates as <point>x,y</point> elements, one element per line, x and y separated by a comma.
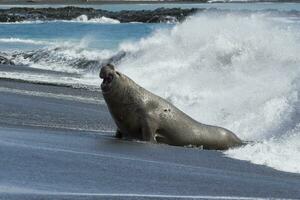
<point>148,131</point>
<point>119,135</point>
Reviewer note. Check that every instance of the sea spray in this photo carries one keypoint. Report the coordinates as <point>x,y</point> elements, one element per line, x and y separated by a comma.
<point>101,20</point>
<point>235,71</point>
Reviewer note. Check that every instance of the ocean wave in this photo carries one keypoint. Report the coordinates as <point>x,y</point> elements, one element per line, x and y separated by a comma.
<point>281,153</point>
<point>25,41</point>
<point>61,63</point>
<point>230,70</point>
<point>72,57</point>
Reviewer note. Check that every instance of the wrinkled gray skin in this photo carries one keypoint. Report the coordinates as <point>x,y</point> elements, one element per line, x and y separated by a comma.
<point>140,114</point>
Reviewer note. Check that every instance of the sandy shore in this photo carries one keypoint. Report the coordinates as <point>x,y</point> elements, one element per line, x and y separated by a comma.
<point>57,143</point>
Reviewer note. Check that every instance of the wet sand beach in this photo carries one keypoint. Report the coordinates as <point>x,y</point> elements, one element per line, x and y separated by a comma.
<point>56,145</point>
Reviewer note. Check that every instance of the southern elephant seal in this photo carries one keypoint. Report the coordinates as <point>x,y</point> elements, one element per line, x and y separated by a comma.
<point>140,114</point>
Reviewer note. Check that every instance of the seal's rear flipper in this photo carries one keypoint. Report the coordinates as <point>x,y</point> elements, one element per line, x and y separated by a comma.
<point>160,139</point>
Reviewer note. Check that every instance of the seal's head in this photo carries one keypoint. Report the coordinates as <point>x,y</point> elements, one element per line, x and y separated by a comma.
<point>110,78</point>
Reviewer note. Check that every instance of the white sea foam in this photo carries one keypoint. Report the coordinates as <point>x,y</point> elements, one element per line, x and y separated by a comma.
<point>25,22</point>
<point>231,70</point>
<point>281,153</point>
<point>101,20</point>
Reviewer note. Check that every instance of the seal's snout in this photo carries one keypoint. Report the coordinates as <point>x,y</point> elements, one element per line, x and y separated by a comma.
<point>107,74</point>
<point>105,70</point>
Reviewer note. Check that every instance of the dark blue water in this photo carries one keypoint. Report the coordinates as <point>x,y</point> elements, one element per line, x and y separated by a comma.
<point>103,36</point>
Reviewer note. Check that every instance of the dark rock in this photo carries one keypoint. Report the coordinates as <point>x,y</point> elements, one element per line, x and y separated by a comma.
<point>68,13</point>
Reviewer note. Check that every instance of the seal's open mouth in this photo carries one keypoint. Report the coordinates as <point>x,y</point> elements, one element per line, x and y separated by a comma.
<point>107,73</point>
<point>108,79</point>
<point>106,84</point>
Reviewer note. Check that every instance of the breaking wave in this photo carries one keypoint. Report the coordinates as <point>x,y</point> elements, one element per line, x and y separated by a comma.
<point>60,63</point>
<point>236,71</point>
<point>101,20</point>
